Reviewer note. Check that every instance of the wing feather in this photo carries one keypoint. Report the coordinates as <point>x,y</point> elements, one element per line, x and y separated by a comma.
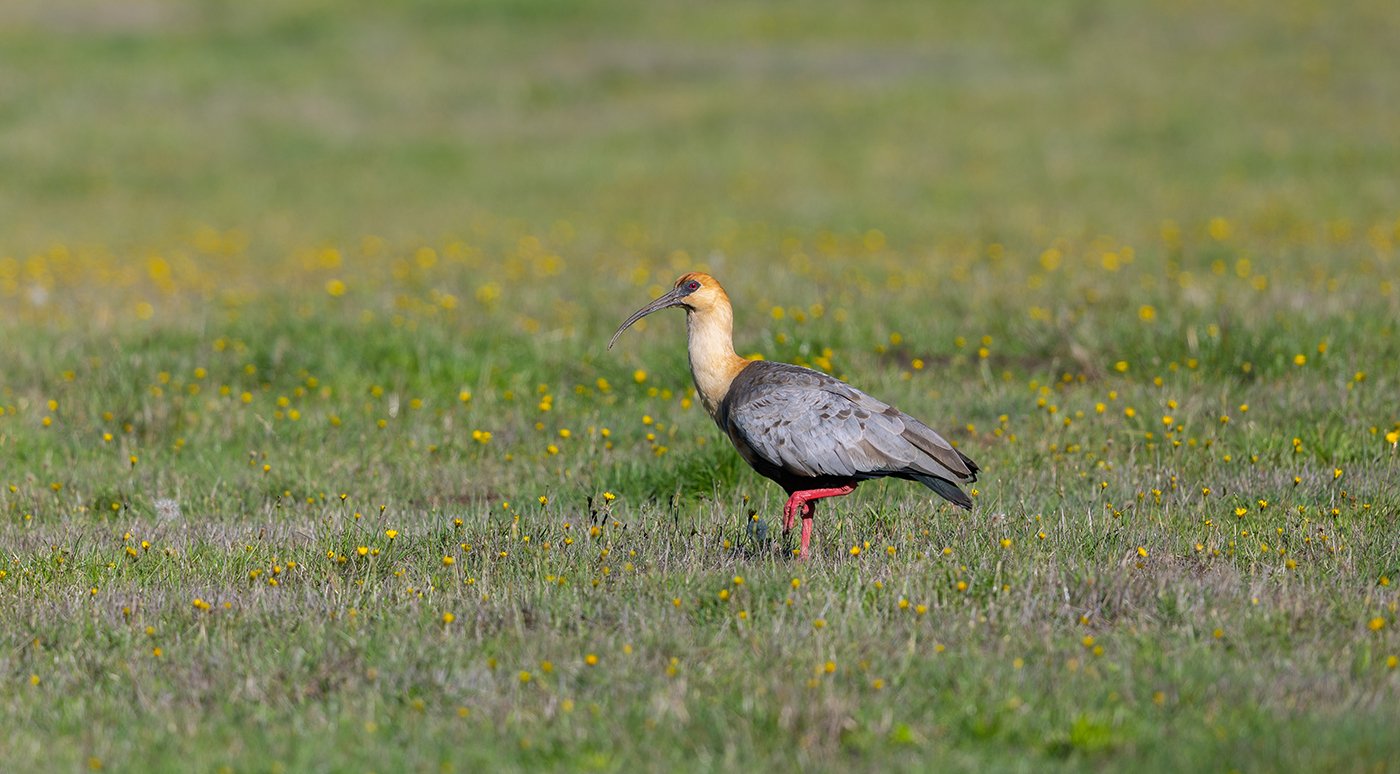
<point>824,427</point>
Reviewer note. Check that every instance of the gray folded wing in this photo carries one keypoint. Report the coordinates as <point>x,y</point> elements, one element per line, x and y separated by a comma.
<point>810,424</point>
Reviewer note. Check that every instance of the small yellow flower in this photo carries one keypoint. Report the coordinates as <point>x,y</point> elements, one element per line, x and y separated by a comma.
<point>525,677</point>
<point>1376,624</point>
<point>819,623</point>
<point>591,659</point>
<point>391,533</point>
<point>448,618</point>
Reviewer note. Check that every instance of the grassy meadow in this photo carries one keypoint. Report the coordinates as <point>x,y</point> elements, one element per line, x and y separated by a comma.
<point>312,457</point>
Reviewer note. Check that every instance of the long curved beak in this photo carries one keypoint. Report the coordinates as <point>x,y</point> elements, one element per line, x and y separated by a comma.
<point>666,301</point>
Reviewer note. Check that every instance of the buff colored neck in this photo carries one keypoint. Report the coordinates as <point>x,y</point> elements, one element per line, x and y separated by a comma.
<point>713,363</point>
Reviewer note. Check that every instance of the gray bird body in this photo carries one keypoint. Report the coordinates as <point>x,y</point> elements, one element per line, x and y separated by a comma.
<point>815,435</point>
<point>805,429</point>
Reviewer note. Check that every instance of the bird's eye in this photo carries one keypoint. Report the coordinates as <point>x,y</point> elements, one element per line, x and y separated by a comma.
<point>692,286</point>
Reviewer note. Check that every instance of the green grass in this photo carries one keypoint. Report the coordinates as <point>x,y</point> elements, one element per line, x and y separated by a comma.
<point>270,272</point>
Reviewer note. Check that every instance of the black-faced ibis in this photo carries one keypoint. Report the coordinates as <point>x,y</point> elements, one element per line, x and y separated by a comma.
<point>812,433</point>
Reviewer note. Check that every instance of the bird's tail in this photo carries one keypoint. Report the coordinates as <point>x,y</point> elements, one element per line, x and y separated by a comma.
<point>971,466</point>
<point>945,489</point>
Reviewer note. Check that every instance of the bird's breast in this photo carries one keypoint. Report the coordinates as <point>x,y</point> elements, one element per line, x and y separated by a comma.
<point>713,364</point>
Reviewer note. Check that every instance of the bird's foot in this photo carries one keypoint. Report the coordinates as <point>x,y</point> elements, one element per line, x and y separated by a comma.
<point>795,504</point>
<point>806,502</point>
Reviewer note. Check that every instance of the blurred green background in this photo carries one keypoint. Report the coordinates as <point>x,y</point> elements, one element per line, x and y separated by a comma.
<point>134,122</point>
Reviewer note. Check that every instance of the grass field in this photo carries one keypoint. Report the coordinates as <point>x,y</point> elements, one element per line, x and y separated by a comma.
<point>312,457</point>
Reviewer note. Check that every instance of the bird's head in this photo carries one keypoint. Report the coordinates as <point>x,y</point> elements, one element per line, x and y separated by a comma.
<point>696,291</point>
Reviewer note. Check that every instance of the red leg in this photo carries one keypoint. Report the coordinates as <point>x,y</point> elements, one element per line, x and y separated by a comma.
<point>804,501</point>
<point>797,503</point>
<point>808,511</point>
